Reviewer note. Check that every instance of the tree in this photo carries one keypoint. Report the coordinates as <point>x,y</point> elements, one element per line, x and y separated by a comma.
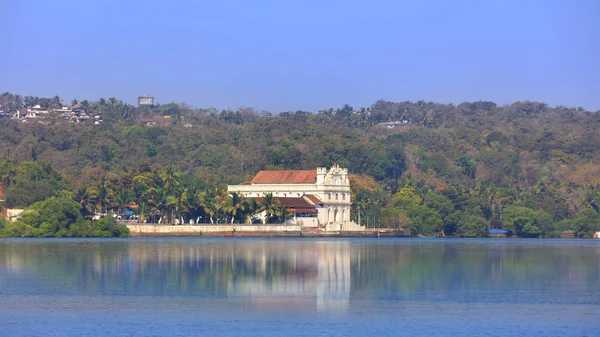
<point>424,220</point>
<point>524,221</point>
<point>586,222</point>
<point>108,227</point>
<point>122,198</point>
<point>87,199</point>
<point>237,205</point>
<point>52,217</point>
<point>406,197</point>
<point>468,165</point>
<point>169,177</point>
<point>268,205</point>
<point>468,225</point>
<point>441,204</point>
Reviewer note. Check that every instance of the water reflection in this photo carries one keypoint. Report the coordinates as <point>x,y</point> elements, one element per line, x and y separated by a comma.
<point>305,274</point>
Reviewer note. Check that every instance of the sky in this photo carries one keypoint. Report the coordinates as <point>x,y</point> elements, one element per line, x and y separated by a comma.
<point>290,55</point>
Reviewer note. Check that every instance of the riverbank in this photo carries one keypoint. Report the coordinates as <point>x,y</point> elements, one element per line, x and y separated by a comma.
<point>258,231</point>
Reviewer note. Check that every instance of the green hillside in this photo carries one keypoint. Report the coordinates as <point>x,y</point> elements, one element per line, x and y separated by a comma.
<point>456,169</point>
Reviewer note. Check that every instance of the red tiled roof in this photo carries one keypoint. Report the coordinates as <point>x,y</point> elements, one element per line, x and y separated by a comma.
<point>292,203</point>
<point>286,177</point>
<point>314,199</point>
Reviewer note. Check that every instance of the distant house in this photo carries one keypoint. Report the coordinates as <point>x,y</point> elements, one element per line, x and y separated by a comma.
<point>77,108</point>
<point>156,120</point>
<point>13,214</point>
<point>145,101</point>
<point>37,109</point>
<point>391,125</point>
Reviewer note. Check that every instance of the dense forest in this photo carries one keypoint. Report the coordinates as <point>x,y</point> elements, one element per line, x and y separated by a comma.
<point>448,169</point>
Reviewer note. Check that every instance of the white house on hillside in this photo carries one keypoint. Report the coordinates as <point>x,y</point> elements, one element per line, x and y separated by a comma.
<point>317,198</point>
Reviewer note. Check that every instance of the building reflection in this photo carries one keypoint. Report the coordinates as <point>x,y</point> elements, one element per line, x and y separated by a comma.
<point>318,278</point>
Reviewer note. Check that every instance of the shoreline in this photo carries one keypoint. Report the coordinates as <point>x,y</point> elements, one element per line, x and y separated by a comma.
<point>288,234</point>
<point>254,231</point>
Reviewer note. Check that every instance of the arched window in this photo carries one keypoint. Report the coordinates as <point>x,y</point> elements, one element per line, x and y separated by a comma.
<point>329,196</point>
<point>336,196</point>
<point>343,196</point>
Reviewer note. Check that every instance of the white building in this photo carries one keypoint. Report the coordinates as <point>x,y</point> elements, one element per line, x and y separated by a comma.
<point>317,198</point>
<point>145,100</point>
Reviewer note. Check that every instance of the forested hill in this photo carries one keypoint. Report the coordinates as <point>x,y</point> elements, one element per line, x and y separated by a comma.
<point>479,157</point>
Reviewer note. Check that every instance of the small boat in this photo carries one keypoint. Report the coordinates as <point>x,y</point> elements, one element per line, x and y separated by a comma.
<point>597,235</point>
<point>427,237</point>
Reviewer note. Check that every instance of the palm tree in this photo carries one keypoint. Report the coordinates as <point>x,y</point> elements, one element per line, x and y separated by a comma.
<point>142,210</point>
<point>177,201</point>
<point>268,205</point>
<point>56,102</point>
<point>191,200</point>
<point>104,196</point>
<point>236,205</point>
<point>282,213</point>
<point>161,200</point>
<point>208,203</point>
<point>86,198</point>
<point>169,177</point>
<point>123,198</point>
<point>7,172</point>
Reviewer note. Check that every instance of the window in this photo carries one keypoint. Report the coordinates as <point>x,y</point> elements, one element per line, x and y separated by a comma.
<point>329,196</point>
<point>343,196</point>
<point>336,196</point>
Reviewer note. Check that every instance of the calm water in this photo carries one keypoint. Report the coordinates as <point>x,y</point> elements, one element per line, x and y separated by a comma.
<point>221,287</point>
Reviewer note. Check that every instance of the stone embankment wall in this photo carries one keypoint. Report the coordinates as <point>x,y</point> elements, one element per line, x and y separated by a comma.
<point>196,230</point>
<point>148,230</point>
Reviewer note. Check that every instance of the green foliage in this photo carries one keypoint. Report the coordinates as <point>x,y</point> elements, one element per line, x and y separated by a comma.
<point>406,197</point>
<point>468,165</point>
<point>424,220</point>
<point>108,227</point>
<point>470,225</point>
<point>465,162</point>
<point>524,221</point>
<point>25,193</point>
<point>60,217</point>
<point>586,223</point>
<point>52,217</point>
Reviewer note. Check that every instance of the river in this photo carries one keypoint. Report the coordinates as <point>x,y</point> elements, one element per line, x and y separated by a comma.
<point>300,287</point>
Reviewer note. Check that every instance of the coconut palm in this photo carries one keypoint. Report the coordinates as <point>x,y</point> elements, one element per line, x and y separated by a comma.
<point>122,198</point>
<point>236,206</point>
<point>55,103</point>
<point>169,177</point>
<point>191,200</point>
<point>268,205</point>
<point>86,198</point>
<point>104,196</point>
<point>142,210</point>
<point>159,199</point>
<point>208,204</point>
<point>282,213</point>
<point>177,201</point>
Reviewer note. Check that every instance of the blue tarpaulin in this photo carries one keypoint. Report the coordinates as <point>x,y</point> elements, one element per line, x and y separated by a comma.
<point>498,231</point>
<point>129,212</point>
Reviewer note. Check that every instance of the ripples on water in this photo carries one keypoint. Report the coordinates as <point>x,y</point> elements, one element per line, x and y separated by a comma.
<point>299,287</point>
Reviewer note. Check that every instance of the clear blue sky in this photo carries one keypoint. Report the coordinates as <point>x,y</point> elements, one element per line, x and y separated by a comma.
<point>289,55</point>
